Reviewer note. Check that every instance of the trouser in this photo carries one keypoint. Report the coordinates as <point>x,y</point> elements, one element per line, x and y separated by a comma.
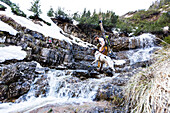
<point>104,51</point>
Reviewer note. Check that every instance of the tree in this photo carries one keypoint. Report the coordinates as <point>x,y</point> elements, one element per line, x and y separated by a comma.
<point>60,13</point>
<point>76,16</point>
<point>50,13</point>
<point>35,8</point>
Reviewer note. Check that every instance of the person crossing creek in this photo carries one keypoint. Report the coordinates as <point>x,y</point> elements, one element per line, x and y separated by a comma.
<point>103,44</point>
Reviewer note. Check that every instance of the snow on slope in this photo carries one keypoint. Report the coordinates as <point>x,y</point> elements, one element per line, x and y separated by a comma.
<point>11,52</point>
<point>51,31</point>
<point>6,27</point>
<point>15,52</point>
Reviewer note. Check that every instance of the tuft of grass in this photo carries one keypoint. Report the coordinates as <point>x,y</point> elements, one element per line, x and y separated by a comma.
<point>167,39</point>
<point>149,91</point>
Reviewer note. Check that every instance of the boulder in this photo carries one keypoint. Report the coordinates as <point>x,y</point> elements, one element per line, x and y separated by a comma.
<point>15,79</point>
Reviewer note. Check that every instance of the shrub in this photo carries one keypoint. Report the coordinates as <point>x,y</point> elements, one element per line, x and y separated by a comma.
<point>148,91</point>
<point>35,8</point>
<point>50,13</point>
<point>15,9</point>
<point>167,39</point>
<point>2,7</point>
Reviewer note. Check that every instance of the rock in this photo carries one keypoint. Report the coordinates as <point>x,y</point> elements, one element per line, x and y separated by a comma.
<point>17,79</point>
<point>85,74</point>
<point>108,91</point>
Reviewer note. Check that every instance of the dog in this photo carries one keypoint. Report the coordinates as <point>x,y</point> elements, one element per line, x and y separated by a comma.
<point>103,59</point>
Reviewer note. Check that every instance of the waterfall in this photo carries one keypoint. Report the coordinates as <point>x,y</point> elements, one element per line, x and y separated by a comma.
<point>143,41</point>
<point>63,88</point>
<point>145,45</point>
<point>67,86</point>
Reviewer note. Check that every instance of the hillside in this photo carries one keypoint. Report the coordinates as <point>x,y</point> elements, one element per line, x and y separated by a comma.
<point>152,20</point>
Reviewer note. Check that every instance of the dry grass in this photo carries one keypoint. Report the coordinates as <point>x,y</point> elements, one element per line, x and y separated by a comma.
<point>149,90</point>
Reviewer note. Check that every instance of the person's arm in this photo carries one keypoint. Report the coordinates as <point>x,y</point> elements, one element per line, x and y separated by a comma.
<point>102,45</point>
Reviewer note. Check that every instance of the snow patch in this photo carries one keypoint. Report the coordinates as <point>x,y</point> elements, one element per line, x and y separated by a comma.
<point>11,52</point>
<point>51,31</point>
<point>6,27</point>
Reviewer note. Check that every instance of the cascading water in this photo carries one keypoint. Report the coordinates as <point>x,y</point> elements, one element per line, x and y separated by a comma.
<point>61,87</point>
<point>145,45</point>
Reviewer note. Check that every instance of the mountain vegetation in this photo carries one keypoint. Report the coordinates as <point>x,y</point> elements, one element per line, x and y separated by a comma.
<point>35,8</point>
<point>151,20</point>
<point>15,9</point>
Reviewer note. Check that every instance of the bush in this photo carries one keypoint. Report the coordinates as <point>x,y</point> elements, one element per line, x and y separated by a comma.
<point>50,13</point>
<point>148,91</point>
<point>15,9</point>
<point>2,7</point>
<point>167,39</point>
<point>35,8</point>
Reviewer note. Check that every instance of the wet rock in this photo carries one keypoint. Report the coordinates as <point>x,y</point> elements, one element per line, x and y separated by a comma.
<point>109,91</point>
<point>38,35</point>
<point>17,79</point>
<point>85,74</point>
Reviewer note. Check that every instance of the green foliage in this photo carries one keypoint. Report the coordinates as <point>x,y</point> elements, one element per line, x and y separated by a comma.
<point>15,9</point>
<point>35,8</point>
<point>60,13</point>
<point>2,7</point>
<point>109,18</point>
<point>146,21</point>
<point>159,4</point>
<point>76,16</point>
<point>50,13</point>
<point>164,19</point>
<point>167,39</point>
<point>124,26</point>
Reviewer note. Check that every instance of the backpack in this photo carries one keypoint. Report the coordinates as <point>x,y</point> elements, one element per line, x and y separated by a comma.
<point>106,39</point>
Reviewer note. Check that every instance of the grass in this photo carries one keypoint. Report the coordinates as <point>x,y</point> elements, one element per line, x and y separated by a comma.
<point>149,90</point>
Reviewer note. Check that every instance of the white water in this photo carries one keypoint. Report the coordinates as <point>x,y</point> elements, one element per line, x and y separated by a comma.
<point>145,46</point>
<point>63,89</point>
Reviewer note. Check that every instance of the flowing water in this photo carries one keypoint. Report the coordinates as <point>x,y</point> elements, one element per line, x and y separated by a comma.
<point>62,87</point>
<point>145,47</point>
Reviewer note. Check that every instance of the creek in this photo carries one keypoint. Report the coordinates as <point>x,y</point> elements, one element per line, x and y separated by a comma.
<point>64,87</point>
